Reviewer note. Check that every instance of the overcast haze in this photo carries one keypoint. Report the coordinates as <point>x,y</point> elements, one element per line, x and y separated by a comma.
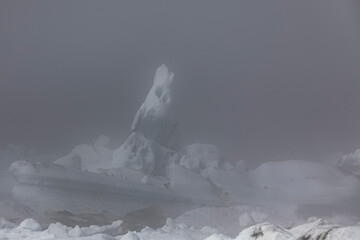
<point>264,80</point>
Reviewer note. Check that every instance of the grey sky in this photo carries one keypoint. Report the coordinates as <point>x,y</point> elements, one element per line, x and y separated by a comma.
<point>264,80</point>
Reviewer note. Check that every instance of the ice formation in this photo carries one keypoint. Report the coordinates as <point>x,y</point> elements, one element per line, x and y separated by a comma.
<point>199,157</point>
<point>151,144</point>
<point>304,182</point>
<point>85,156</point>
<point>348,162</point>
<point>315,229</point>
<point>152,173</point>
<point>151,159</point>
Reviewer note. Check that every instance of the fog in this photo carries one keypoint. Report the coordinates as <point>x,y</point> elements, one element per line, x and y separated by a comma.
<point>263,80</point>
<point>257,135</point>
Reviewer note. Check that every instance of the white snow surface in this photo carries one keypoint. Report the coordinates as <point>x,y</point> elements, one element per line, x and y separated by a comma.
<point>314,230</point>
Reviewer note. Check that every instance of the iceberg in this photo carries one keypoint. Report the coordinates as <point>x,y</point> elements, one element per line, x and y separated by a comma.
<point>151,170</point>
<point>141,173</point>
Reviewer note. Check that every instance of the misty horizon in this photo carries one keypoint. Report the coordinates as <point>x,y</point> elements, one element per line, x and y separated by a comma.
<point>186,120</point>
<point>263,81</point>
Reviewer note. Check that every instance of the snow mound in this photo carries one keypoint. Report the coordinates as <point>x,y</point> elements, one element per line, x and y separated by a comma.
<point>59,230</point>
<point>217,236</point>
<point>30,224</point>
<point>313,231</point>
<point>8,155</point>
<point>85,157</point>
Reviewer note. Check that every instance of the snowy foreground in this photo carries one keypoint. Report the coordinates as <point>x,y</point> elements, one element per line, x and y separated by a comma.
<point>312,230</point>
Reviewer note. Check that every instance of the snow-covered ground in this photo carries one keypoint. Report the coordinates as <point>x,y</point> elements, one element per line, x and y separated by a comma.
<point>152,177</point>
<point>314,229</point>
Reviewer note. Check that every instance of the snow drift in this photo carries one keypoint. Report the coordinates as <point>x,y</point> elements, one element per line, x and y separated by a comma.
<point>314,229</point>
